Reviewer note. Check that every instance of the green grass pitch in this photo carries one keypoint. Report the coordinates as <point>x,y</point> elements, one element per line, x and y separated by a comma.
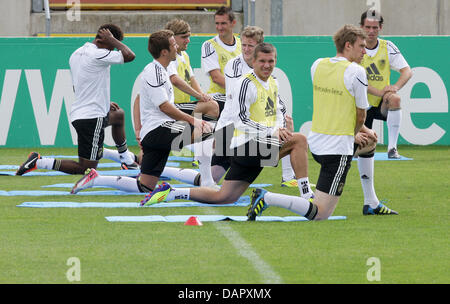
<point>36,244</point>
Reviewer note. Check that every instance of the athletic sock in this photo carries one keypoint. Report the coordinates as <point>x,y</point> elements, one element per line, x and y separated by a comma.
<point>123,183</point>
<point>366,169</point>
<point>305,188</point>
<point>178,193</point>
<point>286,168</point>
<point>45,163</point>
<point>111,155</point>
<point>295,204</point>
<point>124,154</point>
<point>115,156</point>
<point>203,153</point>
<point>394,118</point>
<point>181,174</point>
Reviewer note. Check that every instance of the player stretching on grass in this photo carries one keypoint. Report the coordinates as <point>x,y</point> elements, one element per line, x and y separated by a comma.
<point>234,69</point>
<point>92,110</point>
<point>164,127</point>
<point>260,139</point>
<point>340,103</point>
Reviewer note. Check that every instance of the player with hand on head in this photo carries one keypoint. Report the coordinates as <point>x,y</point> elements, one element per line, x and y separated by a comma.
<point>92,110</point>
<point>164,127</point>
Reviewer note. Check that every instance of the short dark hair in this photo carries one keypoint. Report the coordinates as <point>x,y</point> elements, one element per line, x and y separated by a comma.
<point>225,10</point>
<point>159,41</point>
<point>372,14</point>
<point>115,30</point>
<point>264,48</point>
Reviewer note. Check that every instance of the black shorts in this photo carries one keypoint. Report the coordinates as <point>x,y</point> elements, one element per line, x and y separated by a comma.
<point>91,134</point>
<point>187,107</point>
<point>374,113</point>
<point>249,159</point>
<point>333,172</point>
<point>222,151</point>
<point>158,143</point>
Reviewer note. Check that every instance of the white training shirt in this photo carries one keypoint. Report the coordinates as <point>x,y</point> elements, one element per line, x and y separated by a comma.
<point>396,59</point>
<point>90,70</point>
<point>355,80</point>
<point>244,95</point>
<point>156,89</point>
<point>210,59</point>
<point>233,70</point>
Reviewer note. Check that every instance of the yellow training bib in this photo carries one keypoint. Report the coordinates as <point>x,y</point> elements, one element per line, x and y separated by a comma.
<point>334,111</point>
<point>378,70</point>
<point>264,109</point>
<point>224,57</point>
<point>183,70</point>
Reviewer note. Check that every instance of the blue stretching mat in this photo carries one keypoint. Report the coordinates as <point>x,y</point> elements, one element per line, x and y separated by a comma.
<point>241,202</point>
<point>173,157</point>
<point>100,165</point>
<point>130,173</point>
<point>173,185</point>
<point>383,156</point>
<point>210,218</point>
<point>59,193</point>
<point>57,173</point>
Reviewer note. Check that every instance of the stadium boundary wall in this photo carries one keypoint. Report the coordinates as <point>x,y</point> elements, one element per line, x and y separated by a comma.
<point>37,90</point>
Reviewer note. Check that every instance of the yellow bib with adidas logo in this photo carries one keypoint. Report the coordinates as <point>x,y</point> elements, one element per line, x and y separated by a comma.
<point>264,109</point>
<point>224,56</point>
<point>378,70</point>
<point>334,111</point>
<point>183,70</point>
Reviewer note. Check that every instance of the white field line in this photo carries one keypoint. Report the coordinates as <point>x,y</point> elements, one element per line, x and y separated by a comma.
<point>268,275</point>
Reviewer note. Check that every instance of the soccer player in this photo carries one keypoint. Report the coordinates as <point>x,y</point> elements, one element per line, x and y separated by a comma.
<point>340,103</point>
<point>164,127</point>
<point>260,139</point>
<point>183,78</point>
<point>185,85</point>
<point>92,110</point>
<point>236,67</point>
<point>382,56</point>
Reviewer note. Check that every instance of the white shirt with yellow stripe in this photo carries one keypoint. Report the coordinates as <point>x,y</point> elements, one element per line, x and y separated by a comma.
<point>355,84</point>
<point>215,55</point>
<point>258,109</point>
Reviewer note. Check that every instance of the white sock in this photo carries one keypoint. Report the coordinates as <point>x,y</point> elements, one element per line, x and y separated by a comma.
<point>203,153</point>
<point>304,187</point>
<point>286,168</point>
<point>393,121</point>
<point>179,193</point>
<point>366,168</point>
<point>115,156</point>
<point>181,174</point>
<point>126,158</point>
<point>123,183</point>
<point>45,163</point>
<point>111,155</point>
<point>295,204</point>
